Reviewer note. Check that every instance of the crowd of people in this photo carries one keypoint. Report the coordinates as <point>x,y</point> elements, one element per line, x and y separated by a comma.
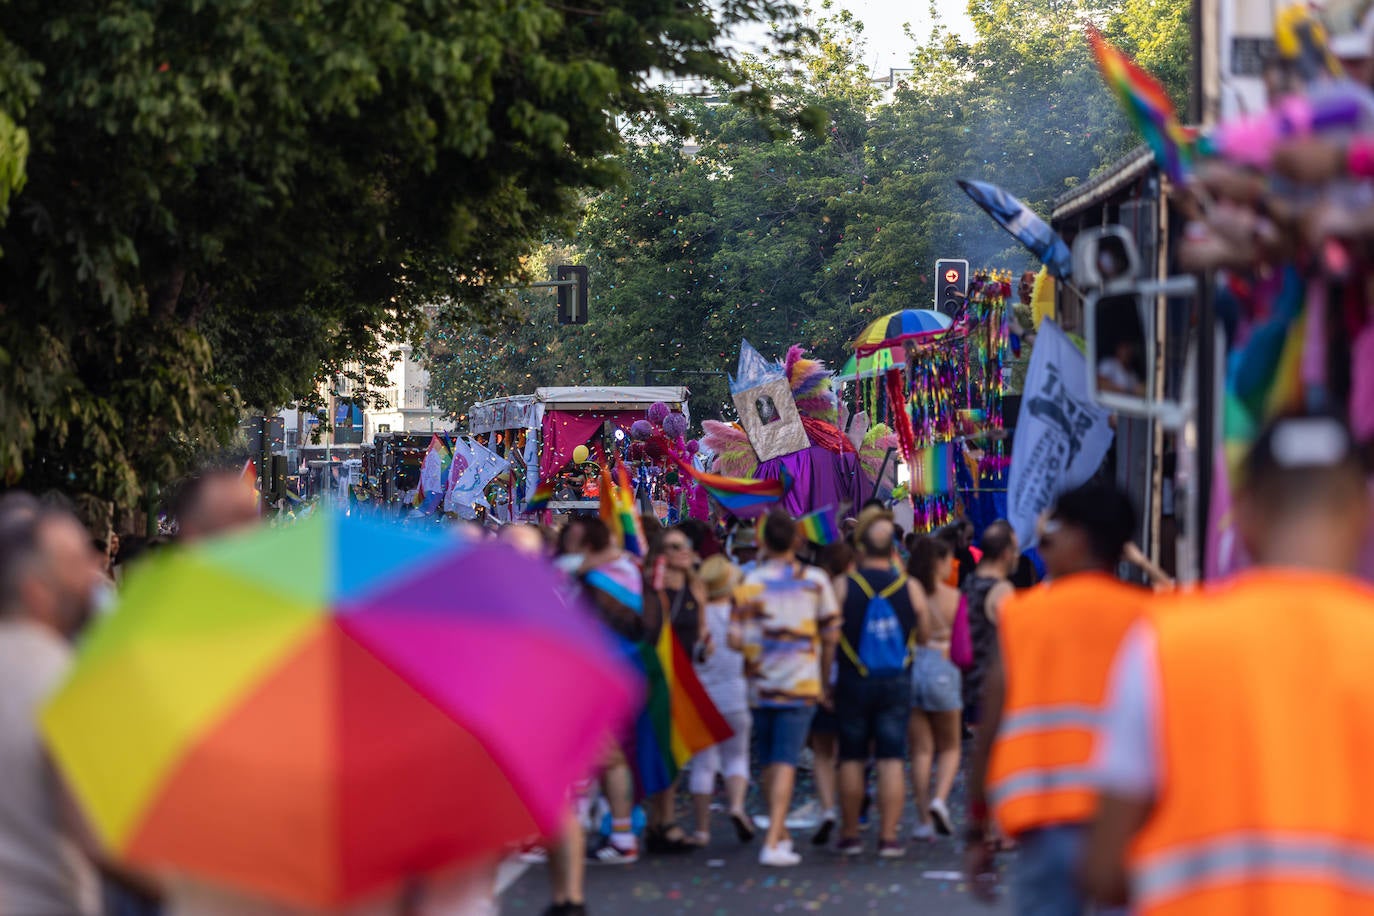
<point>1195,750</point>
<point>871,653</point>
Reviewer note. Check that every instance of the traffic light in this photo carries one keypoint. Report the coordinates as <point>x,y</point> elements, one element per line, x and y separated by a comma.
<point>951,285</point>
<point>572,298</point>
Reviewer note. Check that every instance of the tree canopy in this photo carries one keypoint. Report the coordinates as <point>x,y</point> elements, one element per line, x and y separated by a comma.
<point>219,204</point>
<point>734,229</point>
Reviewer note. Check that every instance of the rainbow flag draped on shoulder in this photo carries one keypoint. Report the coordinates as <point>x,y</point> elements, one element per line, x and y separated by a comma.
<point>740,496</point>
<point>679,719</point>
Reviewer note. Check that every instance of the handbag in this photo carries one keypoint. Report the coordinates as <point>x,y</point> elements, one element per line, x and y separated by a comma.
<point>960,639</point>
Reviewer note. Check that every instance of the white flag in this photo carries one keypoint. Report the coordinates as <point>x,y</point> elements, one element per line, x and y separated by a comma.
<point>1062,434</point>
<point>479,467</point>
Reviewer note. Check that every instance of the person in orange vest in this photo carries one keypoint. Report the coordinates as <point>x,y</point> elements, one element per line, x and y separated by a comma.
<point>1044,691</point>
<point>1239,730</point>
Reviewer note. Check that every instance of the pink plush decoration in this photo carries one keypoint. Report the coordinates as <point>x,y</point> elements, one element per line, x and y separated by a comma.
<point>734,455</point>
<point>657,413</point>
<point>693,447</point>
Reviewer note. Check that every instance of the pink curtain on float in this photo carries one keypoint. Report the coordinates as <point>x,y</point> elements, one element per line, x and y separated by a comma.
<point>565,430</point>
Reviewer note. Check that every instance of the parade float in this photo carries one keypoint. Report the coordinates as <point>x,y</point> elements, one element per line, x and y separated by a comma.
<point>556,430</point>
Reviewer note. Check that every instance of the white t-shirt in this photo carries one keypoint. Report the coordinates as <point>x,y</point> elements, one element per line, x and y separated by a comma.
<point>1126,753</point>
<point>42,870</point>
<point>723,673</point>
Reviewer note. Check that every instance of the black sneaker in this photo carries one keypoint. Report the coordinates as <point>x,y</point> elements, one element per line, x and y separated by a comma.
<point>827,827</point>
<point>607,853</point>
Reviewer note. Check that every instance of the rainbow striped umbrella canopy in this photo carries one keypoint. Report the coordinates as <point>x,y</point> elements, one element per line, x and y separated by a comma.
<point>889,330</point>
<point>317,713</point>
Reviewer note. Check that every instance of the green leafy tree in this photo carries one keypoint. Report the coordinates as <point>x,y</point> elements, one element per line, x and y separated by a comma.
<point>728,228</point>
<point>225,202</point>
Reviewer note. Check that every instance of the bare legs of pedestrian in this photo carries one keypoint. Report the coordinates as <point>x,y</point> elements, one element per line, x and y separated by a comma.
<point>778,782</point>
<point>922,741</point>
<point>568,864</point>
<point>891,796</point>
<point>946,728</point>
<point>736,789</point>
<point>826,753</point>
<point>935,745</point>
<point>618,784</point>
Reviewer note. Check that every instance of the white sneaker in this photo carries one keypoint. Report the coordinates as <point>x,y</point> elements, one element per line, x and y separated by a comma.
<point>923,833</point>
<point>779,856</point>
<point>939,813</point>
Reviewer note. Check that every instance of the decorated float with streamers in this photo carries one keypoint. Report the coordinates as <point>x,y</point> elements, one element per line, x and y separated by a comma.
<point>933,385</point>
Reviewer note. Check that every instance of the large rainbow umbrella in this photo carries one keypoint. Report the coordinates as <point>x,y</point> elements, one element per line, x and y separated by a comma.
<point>892,330</point>
<point>318,713</point>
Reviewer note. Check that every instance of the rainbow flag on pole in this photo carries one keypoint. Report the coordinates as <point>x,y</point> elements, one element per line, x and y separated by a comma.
<point>1147,106</point>
<point>679,720</point>
<point>932,472</point>
<point>819,527</point>
<point>740,496</point>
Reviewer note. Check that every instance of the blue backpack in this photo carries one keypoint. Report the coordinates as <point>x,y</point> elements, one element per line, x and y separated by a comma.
<point>883,651</point>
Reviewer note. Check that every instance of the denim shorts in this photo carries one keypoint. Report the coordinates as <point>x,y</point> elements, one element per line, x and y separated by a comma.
<point>872,713</point>
<point>936,684</point>
<point>780,733</point>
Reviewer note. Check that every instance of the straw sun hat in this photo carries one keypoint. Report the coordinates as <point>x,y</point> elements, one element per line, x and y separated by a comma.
<point>719,576</point>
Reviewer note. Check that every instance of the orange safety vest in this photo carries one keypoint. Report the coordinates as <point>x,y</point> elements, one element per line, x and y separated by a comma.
<point>1264,739</point>
<point>1058,644</point>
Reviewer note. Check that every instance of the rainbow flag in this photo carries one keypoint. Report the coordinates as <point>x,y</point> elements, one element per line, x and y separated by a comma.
<point>679,719</point>
<point>1147,106</point>
<point>819,527</point>
<point>617,510</point>
<point>932,472</point>
<point>741,497</point>
<point>541,497</point>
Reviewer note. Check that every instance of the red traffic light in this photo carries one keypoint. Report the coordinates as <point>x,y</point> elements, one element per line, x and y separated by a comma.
<point>952,276</point>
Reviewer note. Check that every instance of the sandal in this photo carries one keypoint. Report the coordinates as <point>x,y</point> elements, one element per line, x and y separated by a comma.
<point>658,840</point>
<point>743,829</point>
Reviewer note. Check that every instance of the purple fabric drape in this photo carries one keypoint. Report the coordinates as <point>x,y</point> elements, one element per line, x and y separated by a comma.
<point>820,479</point>
<point>565,430</point>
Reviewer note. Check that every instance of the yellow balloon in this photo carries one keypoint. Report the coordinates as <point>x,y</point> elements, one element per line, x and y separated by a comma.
<point>580,454</point>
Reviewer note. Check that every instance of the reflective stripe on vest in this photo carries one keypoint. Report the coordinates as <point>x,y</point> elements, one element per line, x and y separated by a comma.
<point>1037,782</point>
<point>1048,718</point>
<point>1058,643</point>
<point>1253,857</point>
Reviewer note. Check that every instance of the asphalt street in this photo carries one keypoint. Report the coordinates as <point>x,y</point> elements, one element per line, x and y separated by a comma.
<point>725,879</point>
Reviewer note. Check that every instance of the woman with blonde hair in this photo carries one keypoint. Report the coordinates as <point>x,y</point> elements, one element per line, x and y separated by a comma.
<point>721,672</point>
